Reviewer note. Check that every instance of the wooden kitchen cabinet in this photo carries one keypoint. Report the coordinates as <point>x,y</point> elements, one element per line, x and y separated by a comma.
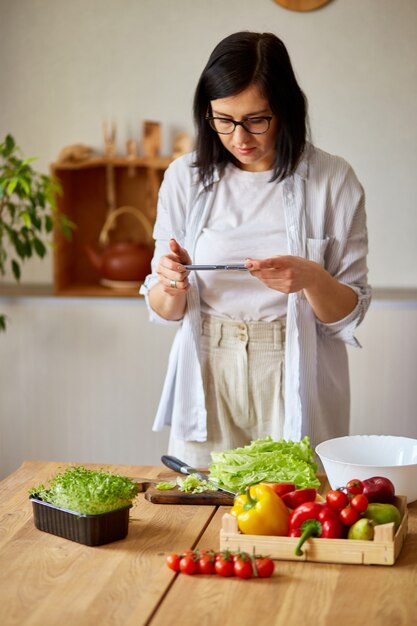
<point>86,201</point>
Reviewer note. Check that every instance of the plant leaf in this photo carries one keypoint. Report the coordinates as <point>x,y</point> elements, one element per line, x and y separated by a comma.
<point>16,269</point>
<point>39,247</point>
<point>26,219</point>
<point>12,186</point>
<point>9,145</point>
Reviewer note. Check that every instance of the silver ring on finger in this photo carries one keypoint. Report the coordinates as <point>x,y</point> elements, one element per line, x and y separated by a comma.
<point>173,284</point>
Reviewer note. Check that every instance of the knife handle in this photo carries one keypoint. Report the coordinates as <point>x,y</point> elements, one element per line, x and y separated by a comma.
<point>175,464</point>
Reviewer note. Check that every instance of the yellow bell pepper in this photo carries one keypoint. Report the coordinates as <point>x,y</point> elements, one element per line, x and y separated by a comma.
<point>260,511</point>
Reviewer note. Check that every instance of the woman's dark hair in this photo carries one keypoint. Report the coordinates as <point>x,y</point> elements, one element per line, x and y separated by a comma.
<point>238,61</point>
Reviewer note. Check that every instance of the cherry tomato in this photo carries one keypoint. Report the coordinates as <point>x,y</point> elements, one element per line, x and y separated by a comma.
<point>359,502</point>
<point>173,562</point>
<point>188,565</point>
<point>188,552</point>
<point>348,516</point>
<point>354,486</point>
<point>206,564</point>
<point>264,567</point>
<point>337,499</point>
<point>224,566</point>
<point>242,567</point>
<point>239,555</point>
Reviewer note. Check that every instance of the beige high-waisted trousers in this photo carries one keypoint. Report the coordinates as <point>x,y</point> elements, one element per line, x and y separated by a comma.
<point>243,377</point>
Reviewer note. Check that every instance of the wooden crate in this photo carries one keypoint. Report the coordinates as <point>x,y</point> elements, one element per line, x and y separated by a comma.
<point>383,550</point>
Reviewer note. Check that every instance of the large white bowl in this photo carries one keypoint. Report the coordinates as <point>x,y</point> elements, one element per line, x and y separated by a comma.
<point>364,456</point>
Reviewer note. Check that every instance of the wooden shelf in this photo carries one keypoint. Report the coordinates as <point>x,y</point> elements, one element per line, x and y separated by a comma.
<point>95,290</point>
<point>154,163</point>
<point>85,201</point>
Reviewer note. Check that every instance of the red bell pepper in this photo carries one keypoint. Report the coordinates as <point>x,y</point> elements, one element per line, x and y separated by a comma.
<point>314,519</point>
<point>293,499</point>
<point>280,488</point>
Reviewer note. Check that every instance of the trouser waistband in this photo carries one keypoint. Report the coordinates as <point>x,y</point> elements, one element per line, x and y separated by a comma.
<point>272,333</point>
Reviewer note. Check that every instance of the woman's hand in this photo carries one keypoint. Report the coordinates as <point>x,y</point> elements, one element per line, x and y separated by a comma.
<point>168,297</point>
<point>286,274</point>
<point>330,300</point>
<point>171,274</point>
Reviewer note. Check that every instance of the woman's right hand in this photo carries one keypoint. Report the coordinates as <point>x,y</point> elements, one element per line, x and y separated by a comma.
<point>171,273</point>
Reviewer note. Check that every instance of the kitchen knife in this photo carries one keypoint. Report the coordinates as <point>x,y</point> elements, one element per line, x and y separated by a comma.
<point>179,466</point>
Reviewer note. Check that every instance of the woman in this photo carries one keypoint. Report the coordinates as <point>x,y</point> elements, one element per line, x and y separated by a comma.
<point>258,352</point>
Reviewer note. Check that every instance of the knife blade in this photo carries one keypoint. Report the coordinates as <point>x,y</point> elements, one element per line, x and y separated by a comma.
<point>179,466</point>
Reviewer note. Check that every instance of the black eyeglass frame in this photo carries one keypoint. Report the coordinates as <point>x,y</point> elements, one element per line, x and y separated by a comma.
<point>211,120</point>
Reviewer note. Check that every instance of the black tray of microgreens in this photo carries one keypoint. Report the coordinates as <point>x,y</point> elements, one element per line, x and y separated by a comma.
<point>87,506</point>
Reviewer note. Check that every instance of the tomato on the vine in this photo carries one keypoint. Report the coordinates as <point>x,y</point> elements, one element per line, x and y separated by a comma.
<point>337,498</point>
<point>206,564</point>
<point>264,567</point>
<point>189,564</point>
<point>224,566</point>
<point>348,516</point>
<point>242,566</point>
<point>354,486</point>
<point>359,502</point>
<point>173,562</point>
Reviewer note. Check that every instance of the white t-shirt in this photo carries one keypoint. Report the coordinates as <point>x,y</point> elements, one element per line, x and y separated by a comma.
<point>247,220</point>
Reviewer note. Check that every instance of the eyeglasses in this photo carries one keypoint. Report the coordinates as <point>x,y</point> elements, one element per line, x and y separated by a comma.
<point>253,125</point>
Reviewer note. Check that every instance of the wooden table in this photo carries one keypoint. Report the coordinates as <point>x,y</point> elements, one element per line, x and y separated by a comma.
<point>46,580</point>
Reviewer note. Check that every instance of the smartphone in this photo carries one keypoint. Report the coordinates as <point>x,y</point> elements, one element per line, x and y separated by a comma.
<point>229,266</point>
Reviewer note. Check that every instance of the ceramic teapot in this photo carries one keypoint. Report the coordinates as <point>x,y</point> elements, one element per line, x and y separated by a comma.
<point>122,261</point>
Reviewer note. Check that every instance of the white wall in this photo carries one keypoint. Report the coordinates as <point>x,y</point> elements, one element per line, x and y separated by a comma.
<point>67,66</point>
<point>80,380</point>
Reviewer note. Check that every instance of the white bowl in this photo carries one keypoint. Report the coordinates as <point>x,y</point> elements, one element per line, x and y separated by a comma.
<point>364,456</point>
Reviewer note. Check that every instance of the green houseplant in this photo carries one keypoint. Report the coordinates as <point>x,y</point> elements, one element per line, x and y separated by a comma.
<point>27,210</point>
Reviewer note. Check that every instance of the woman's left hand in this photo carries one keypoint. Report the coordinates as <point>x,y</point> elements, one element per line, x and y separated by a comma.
<point>286,274</point>
<point>330,300</point>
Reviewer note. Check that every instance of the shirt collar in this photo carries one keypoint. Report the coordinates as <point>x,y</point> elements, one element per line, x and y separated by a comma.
<point>301,170</point>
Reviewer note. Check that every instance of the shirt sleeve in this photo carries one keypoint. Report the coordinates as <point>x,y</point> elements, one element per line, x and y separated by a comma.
<point>346,256</point>
<point>344,329</point>
<point>169,224</point>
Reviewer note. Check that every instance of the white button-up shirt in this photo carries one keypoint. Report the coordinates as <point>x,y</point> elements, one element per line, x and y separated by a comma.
<point>326,223</point>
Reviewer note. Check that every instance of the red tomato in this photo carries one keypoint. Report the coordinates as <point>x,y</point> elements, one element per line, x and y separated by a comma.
<point>359,502</point>
<point>331,529</point>
<point>337,499</point>
<point>264,567</point>
<point>224,566</point>
<point>348,516</point>
<point>354,486</point>
<point>188,565</point>
<point>281,488</point>
<point>242,567</point>
<point>206,564</point>
<point>173,562</point>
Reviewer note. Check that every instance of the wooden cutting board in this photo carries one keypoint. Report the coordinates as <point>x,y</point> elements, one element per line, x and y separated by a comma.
<point>175,496</point>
